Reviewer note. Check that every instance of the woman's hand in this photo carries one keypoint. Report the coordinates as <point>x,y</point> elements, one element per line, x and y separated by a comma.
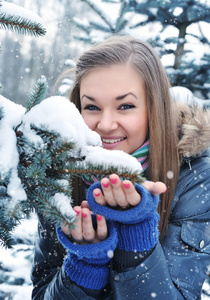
<point>115,193</point>
<point>84,233</point>
<point>123,193</point>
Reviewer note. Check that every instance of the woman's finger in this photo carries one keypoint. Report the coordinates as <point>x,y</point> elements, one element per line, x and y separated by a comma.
<point>76,232</point>
<point>108,192</point>
<point>65,229</point>
<point>99,197</point>
<point>102,231</point>
<point>132,196</point>
<point>85,204</point>
<point>118,190</point>
<point>88,231</point>
<point>155,188</point>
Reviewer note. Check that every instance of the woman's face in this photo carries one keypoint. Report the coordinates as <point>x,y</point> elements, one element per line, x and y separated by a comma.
<point>113,103</point>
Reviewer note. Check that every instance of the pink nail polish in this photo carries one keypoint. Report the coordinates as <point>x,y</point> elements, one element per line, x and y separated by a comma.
<point>84,215</point>
<point>97,194</point>
<point>99,218</point>
<point>77,212</point>
<point>113,180</point>
<point>126,185</point>
<point>106,185</point>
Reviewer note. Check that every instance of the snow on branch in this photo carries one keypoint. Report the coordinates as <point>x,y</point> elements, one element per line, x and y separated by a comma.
<point>21,20</point>
<point>9,158</point>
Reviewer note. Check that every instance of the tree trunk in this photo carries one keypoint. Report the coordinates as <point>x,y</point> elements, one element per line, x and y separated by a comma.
<point>179,52</point>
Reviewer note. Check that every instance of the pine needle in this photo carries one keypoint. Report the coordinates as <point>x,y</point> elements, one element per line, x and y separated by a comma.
<point>37,94</point>
<point>50,211</point>
<point>21,25</point>
<point>101,171</point>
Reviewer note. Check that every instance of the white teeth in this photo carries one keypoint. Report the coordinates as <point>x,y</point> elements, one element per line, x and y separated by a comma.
<point>112,141</point>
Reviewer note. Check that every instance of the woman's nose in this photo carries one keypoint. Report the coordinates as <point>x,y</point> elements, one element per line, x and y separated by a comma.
<point>107,122</point>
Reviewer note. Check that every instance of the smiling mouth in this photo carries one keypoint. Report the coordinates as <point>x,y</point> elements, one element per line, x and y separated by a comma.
<point>112,141</point>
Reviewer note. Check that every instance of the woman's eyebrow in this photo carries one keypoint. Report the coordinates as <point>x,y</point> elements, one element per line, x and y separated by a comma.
<point>90,98</point>
<point>123,96</point>
<point>117,98</point>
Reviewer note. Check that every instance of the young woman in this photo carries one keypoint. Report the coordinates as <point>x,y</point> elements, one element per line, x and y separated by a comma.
<point>138,247</point>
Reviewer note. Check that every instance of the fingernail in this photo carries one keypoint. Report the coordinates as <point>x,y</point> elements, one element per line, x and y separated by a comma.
<point>113,180</point>
<point>77,212</point>
<point>97,194</point>
<point>84,215</point>
<point>126,185</point>
<point>99,218</point>
<point>106,185</point>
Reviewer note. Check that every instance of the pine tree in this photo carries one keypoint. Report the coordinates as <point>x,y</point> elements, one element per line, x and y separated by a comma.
<point>134,17</point>
<point>17,23</point>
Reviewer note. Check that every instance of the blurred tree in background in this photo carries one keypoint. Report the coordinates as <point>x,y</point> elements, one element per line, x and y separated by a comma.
<point>176,29</point>
<point>24,59</point>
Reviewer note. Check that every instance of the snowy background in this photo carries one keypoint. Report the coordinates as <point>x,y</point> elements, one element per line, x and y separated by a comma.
<point>23,60</point>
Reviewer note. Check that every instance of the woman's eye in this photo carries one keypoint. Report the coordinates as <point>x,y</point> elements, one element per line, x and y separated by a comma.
<point>91,107</point>
<point>126,106</point>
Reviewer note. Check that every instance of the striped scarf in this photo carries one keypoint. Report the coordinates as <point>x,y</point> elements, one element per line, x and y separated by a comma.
<point>141,155</point>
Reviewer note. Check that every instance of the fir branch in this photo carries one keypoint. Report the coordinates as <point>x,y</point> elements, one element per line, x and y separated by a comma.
<point>99,12</point>
<point>47,135</point>
<point>81,26</point>
<point>21,25</point>
<point>98,26</point>
<point>42,158</point>
<point>6,239</point>
<point>36,172</point>
<point>48,184</point>
<point>50,211</point>
<point>37,94</point>
<point>56,186</point>
<point>84,39</point>
<point>63,147</point>
<point>7,225</point>
<point>100,171</point>
<point>120,22</point>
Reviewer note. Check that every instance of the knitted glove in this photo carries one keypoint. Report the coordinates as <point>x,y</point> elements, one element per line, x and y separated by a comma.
<point>87,265</point>
<point>138,226</point>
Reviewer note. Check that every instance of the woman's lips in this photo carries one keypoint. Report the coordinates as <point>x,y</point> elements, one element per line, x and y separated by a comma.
<point>110,143</point>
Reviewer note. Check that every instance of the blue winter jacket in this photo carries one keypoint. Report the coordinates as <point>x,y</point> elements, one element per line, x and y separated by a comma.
<point>177,268</point>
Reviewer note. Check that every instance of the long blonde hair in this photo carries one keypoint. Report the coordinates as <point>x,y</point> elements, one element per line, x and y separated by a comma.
<point>163,158</point>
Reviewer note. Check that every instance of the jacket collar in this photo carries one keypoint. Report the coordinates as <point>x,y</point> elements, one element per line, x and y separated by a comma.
<point>194,130</point>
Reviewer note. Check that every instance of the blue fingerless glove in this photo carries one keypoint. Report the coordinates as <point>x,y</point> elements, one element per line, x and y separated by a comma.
<point>138,226</point>
<point>87,265</point>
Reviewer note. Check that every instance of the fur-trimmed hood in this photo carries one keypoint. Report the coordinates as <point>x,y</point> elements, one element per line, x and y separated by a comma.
<point>194,129</point>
